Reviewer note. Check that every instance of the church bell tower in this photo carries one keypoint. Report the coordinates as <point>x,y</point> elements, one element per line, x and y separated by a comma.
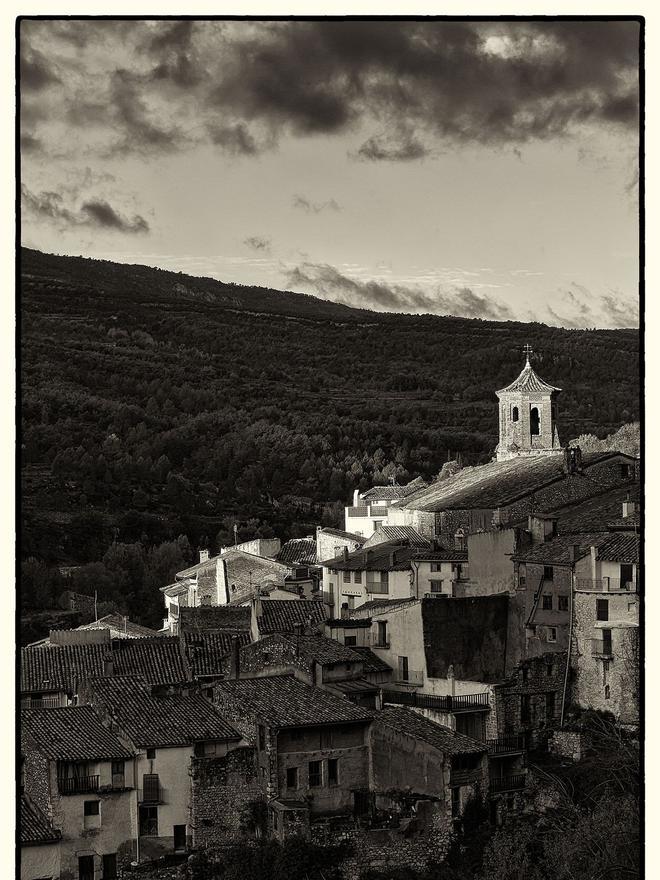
<point>528,416</point>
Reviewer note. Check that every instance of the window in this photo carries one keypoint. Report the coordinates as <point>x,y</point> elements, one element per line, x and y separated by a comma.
<point>350,641</point>
<point>607,691</point>
<point>326,739</point>
<point>151,754</point>
<point>514,414</point>
<point>148,821</point>
<point>525,709</point>
<point>602,609</point>
<point>626,575</point>
<point>357,577</point>
<point>346,577</point>
<point>117,774</point>
<point>91,808</point>
<point>534,422</point>
<point>455,802</point>
<point>550,708</point>
<point>549,669</point>
<point>333,771</point>
<point>436,566</point>
<point>626,471</point>
<point>562,603</point>
<point>436,586</point>
<point>262,738</point>
<point>547,602</point>
<point>552,634</point>
<point>525,673</point>
<point>403,668</point>
<point>381,633</point>
<point>109,866</point>
<point>292,777</point>
<point>607,641</point>
<point>201,749</point>
<point>548,573</point>
<point>150,787</point>
<point>315,774</point>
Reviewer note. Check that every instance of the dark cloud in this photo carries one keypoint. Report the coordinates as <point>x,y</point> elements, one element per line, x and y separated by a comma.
<point>258,243</point>
<point>36,71</point>
<point>30,143</point>
<point>94,212</point>
<point>380,296</point>
<point>415,84</point>
<point>100,213</point>
<point>315,207</point>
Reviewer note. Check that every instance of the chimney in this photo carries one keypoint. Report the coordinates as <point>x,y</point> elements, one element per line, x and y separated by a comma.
<point>574,552</point>
<point>235,659</point>
<point>108,665</point>
<point>204,555</point>
<point>628,507</point>
<point>125,624</point>
<point>344,611</point>
<point>392,557</point>
<point>356,498</point>
<point>572,459</point>
<point>297,629</point>
<point>345,552</point>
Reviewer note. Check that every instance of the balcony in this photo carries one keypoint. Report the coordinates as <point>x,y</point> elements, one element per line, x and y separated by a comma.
<point>41,703</point>
<point>462,703</point>
<point>607,585</point>
<point>78,784</point>
<point>381,588</point>
<point>505,745</point>
<point>507,783</point>
<point>464,777</point>
<point>377,511</point>
<point>357,511</point>
<point>601,648</point>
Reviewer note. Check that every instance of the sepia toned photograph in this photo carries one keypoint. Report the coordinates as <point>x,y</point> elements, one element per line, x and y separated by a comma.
<point>330,475</point>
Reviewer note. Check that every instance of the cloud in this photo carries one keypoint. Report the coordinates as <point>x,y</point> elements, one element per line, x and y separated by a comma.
<point>309,207</point>
<point>580,308</point>
<point>412,86</point>
<point>331,284</point>
<point>97,213</point>
<point>30,143</point>
<point>258,243</point>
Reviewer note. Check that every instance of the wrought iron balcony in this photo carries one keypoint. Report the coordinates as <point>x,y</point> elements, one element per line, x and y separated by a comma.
<point>507,783</point>
<point>462,703</point>
<point>357,511</point>
<point>505,745</point>
<point>78,784</point>
<point>41,703</point>
<point>607,585</point>
<point>375,510</point>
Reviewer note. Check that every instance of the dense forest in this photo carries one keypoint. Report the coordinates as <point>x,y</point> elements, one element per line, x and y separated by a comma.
<point>156,405</point>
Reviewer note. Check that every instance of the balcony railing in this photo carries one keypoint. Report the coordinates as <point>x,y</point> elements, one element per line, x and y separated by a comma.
<point>505,745</point>
<point>377,511</point>
<point>77,784</point>
<point>41,703</point>
<point>462,703</point>
<point>601,648</point>
<point>507,783</point>
<point>357,511</point>
<point>607,585</point>
<point>464,777</point>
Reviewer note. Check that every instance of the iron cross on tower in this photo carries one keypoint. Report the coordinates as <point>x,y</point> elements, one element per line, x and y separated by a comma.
<point>528,350</point>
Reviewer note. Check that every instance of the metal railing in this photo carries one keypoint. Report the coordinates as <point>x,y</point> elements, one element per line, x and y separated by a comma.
<point>507,783</point>
<point>601,648</point>
<point>78,784</point>
<point>41,703</point>
<point>606,585</point>
<point>505,745</point>
<point>357,511</point>
<point>462,703</point>
<point>377,510</point>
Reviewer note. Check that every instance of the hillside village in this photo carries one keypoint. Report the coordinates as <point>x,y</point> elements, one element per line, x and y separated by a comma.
<point>373,686</point>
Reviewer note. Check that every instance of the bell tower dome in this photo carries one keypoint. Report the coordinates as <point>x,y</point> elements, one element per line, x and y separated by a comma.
<point>528,416</point>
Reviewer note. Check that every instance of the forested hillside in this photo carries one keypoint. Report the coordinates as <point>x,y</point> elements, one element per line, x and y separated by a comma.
<point>155,404</point>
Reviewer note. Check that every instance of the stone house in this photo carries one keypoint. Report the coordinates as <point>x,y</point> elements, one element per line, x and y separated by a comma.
<point>165,733</point>
<point>605,655</point>
<point>81,776</point>
<point>313,749</point>
<point>331,542</point>
<point>39,842</point>
<point>416,756</point>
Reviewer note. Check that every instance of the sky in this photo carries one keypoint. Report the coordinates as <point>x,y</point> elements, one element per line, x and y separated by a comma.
<point>481,169</point>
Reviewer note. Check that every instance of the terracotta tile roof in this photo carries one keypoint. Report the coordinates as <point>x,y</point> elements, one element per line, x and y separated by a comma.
<point>74,733</point>
<point>207,652</point>
<point>281,615</point>
<point>283,701</point>
<point>159,722</point>
<point>35,827</point>
<point>61,667</point>
<point>388,556</point>
<point>173,590</point>
<point>444,739</point>
<point>391,493</point>
<point>338,533</point>
<point>446,554</point>
<point>528,380</point>
<point>630,523</point>
<point>298,551</point>
<point>355,686</point>
<point>245,571</point>
<point>622,547</point>
<point>400,534</point>
<point>499,483</point>
<point>372,662</point>
<point>119,628</point>
<point>378,605</point>
<point>558,550</point>
<point>215,618</point>
<point>315,648</point>
<point>596,513</point>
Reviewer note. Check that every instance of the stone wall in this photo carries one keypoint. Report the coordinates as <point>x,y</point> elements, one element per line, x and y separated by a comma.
<point>568,744</point>
<point>223,790</point>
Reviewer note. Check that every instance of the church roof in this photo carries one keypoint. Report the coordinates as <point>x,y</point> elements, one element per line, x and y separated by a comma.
<point>528,380</point>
